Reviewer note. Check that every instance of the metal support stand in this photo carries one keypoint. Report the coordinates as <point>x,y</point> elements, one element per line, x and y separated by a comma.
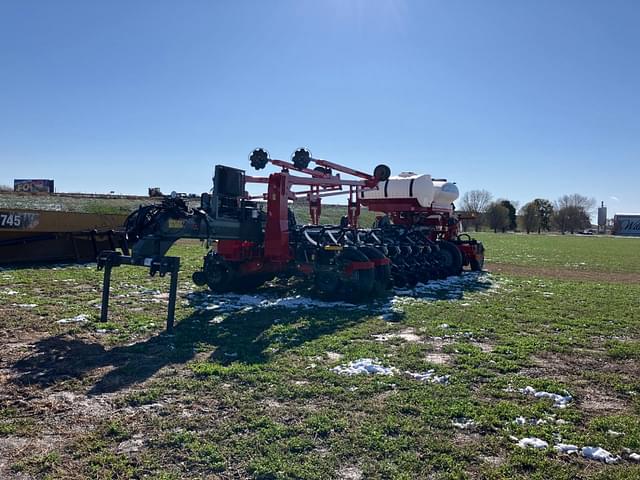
<point>161,265</point>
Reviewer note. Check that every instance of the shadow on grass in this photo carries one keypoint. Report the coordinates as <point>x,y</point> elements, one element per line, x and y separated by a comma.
<point>242,336</point>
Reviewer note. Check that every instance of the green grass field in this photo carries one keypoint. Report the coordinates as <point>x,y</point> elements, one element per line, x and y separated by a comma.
<point>247,390</point>
<point>589,253</point>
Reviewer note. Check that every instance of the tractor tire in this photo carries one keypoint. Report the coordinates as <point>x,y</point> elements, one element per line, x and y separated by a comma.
<point>382,273</point>
<point>451,258</point>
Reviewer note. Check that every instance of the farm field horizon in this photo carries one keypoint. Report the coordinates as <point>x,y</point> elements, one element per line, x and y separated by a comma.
<point>266,386</point>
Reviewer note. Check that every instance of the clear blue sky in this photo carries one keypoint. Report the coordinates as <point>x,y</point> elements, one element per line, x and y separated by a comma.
<point>523,98</point>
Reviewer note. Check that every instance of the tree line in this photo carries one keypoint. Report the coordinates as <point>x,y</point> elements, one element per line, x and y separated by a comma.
<point>569,213</point>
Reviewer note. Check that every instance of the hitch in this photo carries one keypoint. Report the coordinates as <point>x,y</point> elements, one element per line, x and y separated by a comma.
<point>160,265</point>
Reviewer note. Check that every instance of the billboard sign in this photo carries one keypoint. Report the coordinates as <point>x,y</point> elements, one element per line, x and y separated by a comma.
<point>626,224</point>
<point>33,185</point>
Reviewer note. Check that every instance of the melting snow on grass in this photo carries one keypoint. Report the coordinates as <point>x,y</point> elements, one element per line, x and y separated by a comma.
<point>371,366</point>
<point>559,401</point>
<point>430,377</point>
<point>591,453</point>
<point>233,302</point>
<point>531,421</point>
<point>364,365</point>
<point>77,319</point>
<point>532,442</point>
<point>600,454</point>
<point>566,448</point>
<point>463,423</point>
<point>450,288</point>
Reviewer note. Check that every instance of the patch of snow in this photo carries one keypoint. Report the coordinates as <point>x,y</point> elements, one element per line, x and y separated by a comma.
<point>613,433</point>
<point>443,325</point>
<point>364,365</point>
<point>463,423</point>
<point>77,319</point>
<point>430,377</point>
<point>599,454</point>
<point>8,291</point>
<point>24,305</point>
<point>559,401</point>
<point>566,448</point>
<point>532,442</point>
<point>233,302</point>
<point>388,310</point>
<point>532,421</point>
<point>635,457</point>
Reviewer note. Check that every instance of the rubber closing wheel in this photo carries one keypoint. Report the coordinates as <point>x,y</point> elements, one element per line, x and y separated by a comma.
<point>451,258</point>
<point>382,272</point>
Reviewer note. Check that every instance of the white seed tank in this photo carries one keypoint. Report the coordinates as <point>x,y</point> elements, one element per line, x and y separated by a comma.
<point>427,192</point>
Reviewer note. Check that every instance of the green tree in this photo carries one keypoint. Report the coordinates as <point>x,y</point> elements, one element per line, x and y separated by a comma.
<point>545,213</point>
<point>512,219</point>
<point>530,216</point>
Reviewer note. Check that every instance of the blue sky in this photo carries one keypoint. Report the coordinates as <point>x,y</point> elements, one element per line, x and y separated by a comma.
<point>525,99</point>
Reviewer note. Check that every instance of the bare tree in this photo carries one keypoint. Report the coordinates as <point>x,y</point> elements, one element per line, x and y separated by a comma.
<point>573,212</point>
<point>475,202</point>
<point>576,200</point>
<point>497,216</point>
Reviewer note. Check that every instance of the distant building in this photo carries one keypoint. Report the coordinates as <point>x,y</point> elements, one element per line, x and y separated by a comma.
<point>627,224</point>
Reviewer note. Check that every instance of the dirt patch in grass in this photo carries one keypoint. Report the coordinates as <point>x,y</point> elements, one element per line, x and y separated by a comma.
<point>590,396</point>
<point>563,273</point>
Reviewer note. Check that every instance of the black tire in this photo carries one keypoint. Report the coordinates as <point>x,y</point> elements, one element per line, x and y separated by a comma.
<point>451,258</point>
<point>382,273</point>
<point>359,283</point>
<point>327,281</point>
<point>218,273</point>
<point>199,278</point>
